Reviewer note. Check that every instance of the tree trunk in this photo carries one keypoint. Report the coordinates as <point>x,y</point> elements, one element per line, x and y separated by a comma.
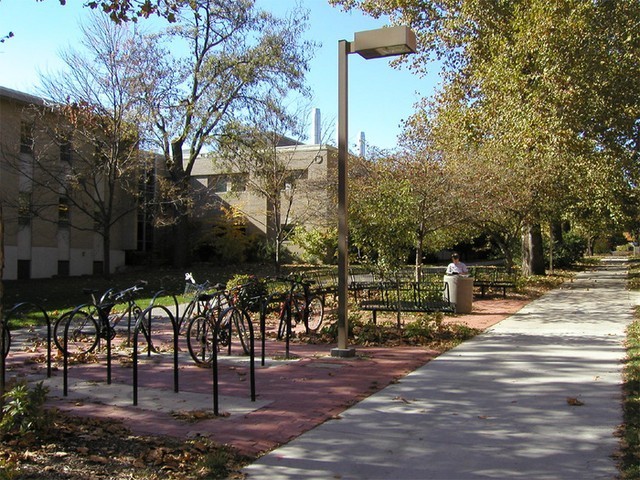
<point>532,252</point>
<point>106,252</point>
<point>591,241</point>
<point>181,240</point>
<point>419,252</point>
<point>180,229</point>
<point>558,231</point>
<point>503,245</point>
<point>556,238</point>
<point>274,230</point>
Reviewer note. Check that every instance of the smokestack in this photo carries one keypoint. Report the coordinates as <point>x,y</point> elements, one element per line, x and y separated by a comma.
<point>316,136</point>
<point>362,145</point>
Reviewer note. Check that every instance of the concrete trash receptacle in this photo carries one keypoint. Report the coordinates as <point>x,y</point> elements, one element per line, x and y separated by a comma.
<point>460,292</point>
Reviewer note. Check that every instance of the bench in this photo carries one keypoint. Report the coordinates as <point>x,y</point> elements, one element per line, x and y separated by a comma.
<point>409,297</point>
<point>323,282</point>
<point>494,278</point>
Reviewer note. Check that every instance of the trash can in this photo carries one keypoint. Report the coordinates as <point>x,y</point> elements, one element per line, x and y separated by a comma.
<point>460,292</point>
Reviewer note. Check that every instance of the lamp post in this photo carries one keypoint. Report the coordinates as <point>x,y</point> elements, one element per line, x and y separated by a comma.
<point>379,43</point>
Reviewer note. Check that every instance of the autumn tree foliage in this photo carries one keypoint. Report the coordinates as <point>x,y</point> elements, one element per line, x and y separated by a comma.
<point>540,94</point>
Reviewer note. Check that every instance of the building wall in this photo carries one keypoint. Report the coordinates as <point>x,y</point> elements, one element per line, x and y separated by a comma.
<point>311,199</point>
<point>44,245</point>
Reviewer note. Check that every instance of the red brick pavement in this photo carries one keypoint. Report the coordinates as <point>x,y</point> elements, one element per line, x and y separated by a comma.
<point>301,394</point>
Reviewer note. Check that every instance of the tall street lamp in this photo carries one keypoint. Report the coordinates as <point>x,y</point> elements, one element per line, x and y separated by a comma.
<point>382,42</point>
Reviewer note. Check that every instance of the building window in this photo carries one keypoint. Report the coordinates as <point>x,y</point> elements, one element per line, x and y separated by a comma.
<point>98,267</point>
<point>234,182</point>
<point>239,182</point>
<point>24,208</point>
<point>26,137</point>
<point>293,177</point>
<point>287,229</point>
<point>219,183</point>
<point>24,269</point>
<point>63,268</point>
<point>63,211</point>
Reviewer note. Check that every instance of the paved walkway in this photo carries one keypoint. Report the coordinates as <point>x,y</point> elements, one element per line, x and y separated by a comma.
<point>536,396</point>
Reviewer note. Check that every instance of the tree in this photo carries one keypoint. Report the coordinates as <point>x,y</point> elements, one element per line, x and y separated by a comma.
<point>131,10</point>
<point>407,201</point>
<point>92,122</point>
<point>543,84</point>
<point>234,54</point>
<point>264,153</point>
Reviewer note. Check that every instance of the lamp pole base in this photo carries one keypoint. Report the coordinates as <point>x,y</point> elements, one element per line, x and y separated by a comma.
<point>343,352</point>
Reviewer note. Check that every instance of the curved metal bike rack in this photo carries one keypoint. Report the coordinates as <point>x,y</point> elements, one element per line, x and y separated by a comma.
<point>214,366</point>
<point>65,351</point>
<point>175,327</point>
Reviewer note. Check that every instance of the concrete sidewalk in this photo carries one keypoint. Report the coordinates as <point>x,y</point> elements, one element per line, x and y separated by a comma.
<point>537,396</point>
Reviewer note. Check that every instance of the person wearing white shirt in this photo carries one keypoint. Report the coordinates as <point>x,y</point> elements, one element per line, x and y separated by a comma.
<point>456,267</point>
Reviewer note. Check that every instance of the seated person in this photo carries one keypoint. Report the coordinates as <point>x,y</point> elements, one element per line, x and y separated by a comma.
<point>456,267</point>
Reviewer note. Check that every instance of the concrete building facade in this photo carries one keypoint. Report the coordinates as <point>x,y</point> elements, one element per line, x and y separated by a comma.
<point>56,238</point>
<point>307,196</point>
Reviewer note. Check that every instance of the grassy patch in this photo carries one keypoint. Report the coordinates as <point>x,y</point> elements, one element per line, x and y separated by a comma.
<point>630,459</point>
<point>58,295</point>
<point>630,431</point>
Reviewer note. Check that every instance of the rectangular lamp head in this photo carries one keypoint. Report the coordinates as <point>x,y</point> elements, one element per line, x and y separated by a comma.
<point>384,42</point>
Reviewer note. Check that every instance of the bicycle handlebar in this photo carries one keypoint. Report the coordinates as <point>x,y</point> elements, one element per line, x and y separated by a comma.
<point>124,295</point>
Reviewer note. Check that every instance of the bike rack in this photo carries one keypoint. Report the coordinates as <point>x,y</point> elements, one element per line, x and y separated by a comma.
<point>263,328</point>
<point>214,366</point>
<point>65,352</point>
<point>5,326</point>
<point>175,327</point>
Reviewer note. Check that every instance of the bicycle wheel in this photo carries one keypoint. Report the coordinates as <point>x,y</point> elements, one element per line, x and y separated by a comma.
<point>82,332</point>
<point>241,322</point>
<point>200,339</point>
<point>315,313</point>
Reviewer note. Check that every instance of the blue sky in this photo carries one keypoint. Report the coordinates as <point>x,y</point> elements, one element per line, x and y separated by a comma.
<point>379,97</point>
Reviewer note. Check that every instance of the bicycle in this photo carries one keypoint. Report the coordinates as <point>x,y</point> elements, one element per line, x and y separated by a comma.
<point>300,305</point>
<point>199,302</point>
<point>200,328</point>
<point>200,333</point>
<point>89,323</point>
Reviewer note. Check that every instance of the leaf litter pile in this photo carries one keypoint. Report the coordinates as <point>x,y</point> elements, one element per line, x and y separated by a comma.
<point>74,448</point>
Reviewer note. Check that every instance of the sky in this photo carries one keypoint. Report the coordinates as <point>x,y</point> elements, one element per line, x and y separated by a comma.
<point>380,97</point>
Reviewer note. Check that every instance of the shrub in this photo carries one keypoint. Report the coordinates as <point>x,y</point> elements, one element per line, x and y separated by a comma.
<point>319,245</point>
<point>569,252</point>
<point>24,411</point>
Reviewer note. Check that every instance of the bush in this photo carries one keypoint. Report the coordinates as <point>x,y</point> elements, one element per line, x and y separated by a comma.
<point>24,411</point>
<point>569,252</point>
<point>319,245</point>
